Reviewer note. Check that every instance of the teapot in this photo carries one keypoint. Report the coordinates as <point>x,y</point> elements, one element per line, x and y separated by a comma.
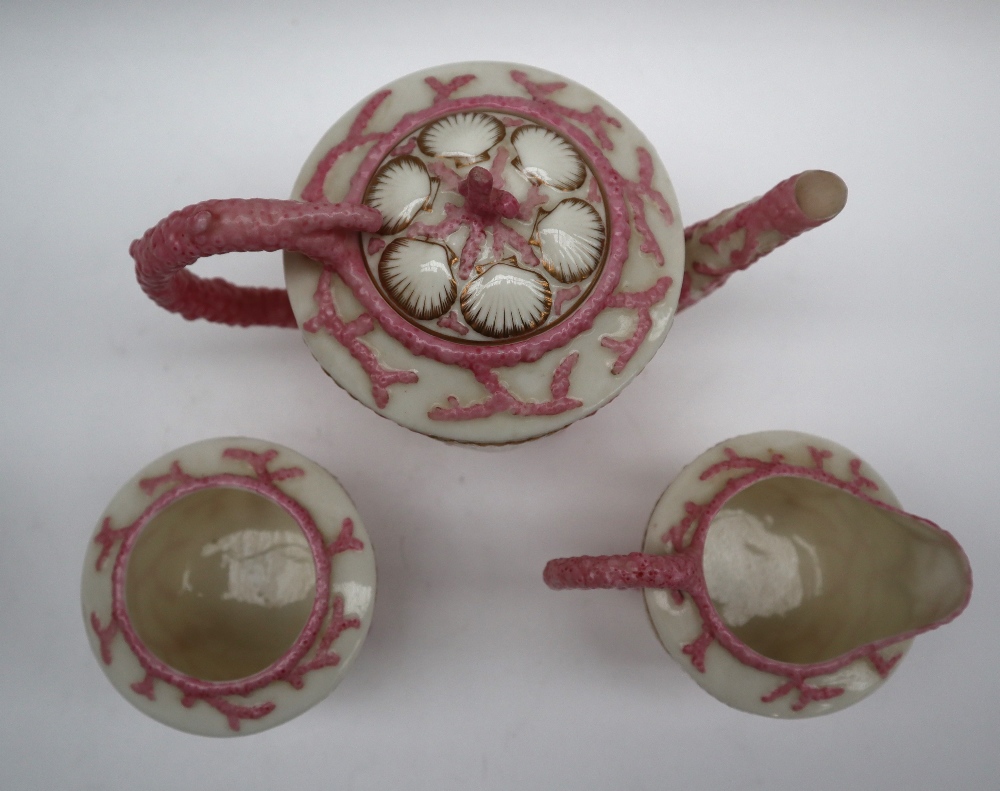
<point>482,252</point>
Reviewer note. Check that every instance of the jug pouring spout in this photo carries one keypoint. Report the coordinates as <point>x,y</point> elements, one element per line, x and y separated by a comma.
<point>737,237</point>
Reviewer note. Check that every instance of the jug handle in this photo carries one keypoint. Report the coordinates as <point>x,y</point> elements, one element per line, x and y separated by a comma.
<point>635,570</point>
<point>228,226</point>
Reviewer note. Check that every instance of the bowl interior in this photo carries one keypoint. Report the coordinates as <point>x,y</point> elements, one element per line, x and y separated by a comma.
<point>220,584</point>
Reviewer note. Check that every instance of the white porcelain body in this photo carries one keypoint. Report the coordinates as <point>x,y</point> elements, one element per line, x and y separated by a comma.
<point>300,486</point>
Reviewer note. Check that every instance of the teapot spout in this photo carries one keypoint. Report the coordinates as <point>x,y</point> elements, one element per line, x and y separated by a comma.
<point>735,238</point>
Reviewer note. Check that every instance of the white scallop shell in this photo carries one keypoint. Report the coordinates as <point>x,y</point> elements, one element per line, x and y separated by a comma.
<point>547,158</point>
<point>401,189</point>
<point>464,137</point>
<point>418,277</point>
<point>570,239</point>
<point>505,300</point>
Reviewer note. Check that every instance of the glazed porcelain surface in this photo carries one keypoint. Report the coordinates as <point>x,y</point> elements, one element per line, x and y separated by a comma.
<point>482,252</point>
<point>803,572</point>
<point>529,262</point>
<point>879,330</point>
<point>228,587</point>
<point>781,573</point>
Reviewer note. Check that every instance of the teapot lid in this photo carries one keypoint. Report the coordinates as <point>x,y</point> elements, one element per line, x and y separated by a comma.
<point>529,262</point>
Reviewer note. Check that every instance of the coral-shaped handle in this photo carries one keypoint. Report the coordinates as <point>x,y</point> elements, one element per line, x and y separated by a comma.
<point>228,226</point>
<point>635,570</point>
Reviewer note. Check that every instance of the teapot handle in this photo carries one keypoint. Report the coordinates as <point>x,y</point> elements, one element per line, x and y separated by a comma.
<point>227,226</point>
<point>635,570</point>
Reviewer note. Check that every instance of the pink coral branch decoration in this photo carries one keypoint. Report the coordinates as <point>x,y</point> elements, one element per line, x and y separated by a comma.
<point>457,217</point>
<point>324,657</point>
<point>233,713</point>
<point>260,462</point>
<point>449,178</point>
<point>807,693</point>
<point>510,237</point>
<point>860,480</point>
<point>533,200</point>
<point>594,119</point>
<point>882,665</point>
<point>471,249</point>
<point>175,477</point>
<point>107,537</point>
<point>146,687</point>
<point>347,333</point>
<point>345,541</point>
<point>405,148</point>
<point>698,647</point>
<point>497,165</point>
<point>485,208</point>
<point>451,322</point>
<point>641,301</point>
<point>105,635</point>
<point>501,399</point>
<point>562,296</point>
<point>356,136</point>
<point>444,91</point>
<point>736,238</point>
<point>640,191</point>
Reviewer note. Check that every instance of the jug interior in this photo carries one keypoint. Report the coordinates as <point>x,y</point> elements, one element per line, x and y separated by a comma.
<point>803,572</point>
<point>220,584</point>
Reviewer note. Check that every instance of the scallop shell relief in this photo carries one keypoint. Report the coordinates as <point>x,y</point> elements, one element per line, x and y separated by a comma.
<point>469,276</point>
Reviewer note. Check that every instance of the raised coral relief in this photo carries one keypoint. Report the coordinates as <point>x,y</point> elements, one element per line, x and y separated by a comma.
<point>465,138</point>
<point>417,275</point>
<point>400,190</point>
<point>570,239</point>
<point>504,301</point>
<point>547,158</point>
<point>507,145</point>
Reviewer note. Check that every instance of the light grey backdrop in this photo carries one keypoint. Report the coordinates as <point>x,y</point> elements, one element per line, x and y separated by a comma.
<point>878,331</point>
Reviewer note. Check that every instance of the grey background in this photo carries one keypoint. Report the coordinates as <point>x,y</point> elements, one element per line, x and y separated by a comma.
<point>878,331</point>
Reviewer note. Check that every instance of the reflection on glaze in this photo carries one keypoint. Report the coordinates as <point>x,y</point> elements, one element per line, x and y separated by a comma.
<point>417,276</point>
<point>464,138</point>
<point>220,584</point>
<point>357,597</point>
<point>267,568</point>
<point>546,157</point>
<point>400,190</point>
<point>751,571</point>
<point>570,239</point>
<point>803,572</point>
<point>505,300</point>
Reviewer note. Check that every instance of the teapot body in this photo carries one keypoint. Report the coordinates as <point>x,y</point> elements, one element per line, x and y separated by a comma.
<point>482,252</point>
<point>496,319</point>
